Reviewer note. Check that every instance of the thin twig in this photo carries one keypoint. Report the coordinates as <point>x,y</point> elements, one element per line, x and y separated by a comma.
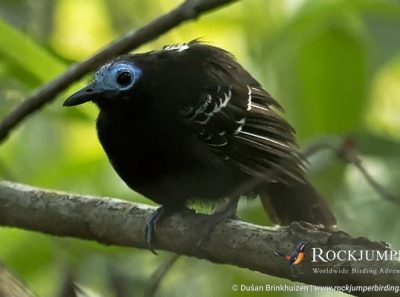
<point>346,150</point>
<point>159,274</point>
<point>190,9</point>
<point>11,286</point>
<point>375,185</point>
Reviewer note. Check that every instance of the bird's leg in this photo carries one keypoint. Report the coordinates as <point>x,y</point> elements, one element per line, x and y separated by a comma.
<point>214,219</point>
<point>153,219</point>
<point>150,225</point>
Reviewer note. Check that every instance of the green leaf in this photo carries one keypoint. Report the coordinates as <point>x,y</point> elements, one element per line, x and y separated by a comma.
<point>20,50</point>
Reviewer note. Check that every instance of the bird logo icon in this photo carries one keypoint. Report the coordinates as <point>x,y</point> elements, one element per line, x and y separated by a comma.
<point>295,258</point>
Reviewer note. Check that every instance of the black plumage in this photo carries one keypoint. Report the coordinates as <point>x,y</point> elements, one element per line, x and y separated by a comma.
<point>189,123</point>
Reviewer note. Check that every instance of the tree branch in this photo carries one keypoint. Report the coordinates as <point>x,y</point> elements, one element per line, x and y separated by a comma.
<point>159,274</point>
<point>116,222</point>
<point>189,9</point>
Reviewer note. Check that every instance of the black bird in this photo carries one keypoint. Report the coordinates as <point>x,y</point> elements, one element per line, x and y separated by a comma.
<point>187,122</point>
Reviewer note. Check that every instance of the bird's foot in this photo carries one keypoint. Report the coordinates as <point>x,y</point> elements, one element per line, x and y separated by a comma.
<point>150,226</point>
<point>229,212</point>
<point>153,219</point>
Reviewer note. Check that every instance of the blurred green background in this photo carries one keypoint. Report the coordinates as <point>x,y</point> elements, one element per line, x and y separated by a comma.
<point>333,64</point>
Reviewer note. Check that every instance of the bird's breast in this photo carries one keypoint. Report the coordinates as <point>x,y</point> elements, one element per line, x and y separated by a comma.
<point>136,147</point>
<point>163,161</point>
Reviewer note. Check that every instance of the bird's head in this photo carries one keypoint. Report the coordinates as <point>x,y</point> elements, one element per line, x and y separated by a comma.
<point>113,81</point>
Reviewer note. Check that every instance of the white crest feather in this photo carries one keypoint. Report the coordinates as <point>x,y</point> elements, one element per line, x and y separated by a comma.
<point>176,47</point>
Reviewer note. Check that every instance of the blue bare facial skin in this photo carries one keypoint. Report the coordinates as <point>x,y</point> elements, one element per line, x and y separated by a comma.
<point>112,78</point>
<point>117,76</point>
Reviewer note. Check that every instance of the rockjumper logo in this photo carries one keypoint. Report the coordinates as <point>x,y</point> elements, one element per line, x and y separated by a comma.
<point>326,256</point>
<point>295,258</point>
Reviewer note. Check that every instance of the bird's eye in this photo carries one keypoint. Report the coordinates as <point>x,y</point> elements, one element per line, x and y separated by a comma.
<point>124,78</point>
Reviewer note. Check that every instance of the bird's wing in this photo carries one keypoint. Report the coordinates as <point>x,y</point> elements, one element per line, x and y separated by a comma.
<point>238,122</point>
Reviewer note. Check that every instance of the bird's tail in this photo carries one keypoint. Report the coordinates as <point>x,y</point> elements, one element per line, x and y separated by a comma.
<point>297,202</point>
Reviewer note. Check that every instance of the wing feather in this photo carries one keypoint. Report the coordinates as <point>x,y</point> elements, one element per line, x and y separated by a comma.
<point>236,119</point>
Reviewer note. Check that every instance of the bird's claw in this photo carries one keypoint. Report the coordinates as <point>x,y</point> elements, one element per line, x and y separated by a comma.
<point>150,226</point>
<point>214,219</point>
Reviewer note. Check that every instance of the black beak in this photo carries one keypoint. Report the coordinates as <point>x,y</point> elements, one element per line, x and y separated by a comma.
<point>86,94</point>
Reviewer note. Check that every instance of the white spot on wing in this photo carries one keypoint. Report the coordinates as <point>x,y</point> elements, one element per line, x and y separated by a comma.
<point>255,105</point>
<point>224,103</point>
<point>218,106</point>
<point>255,89</point>
<point>249,99</point>
<point>264,138</point>
<point>200,110</point>
<point>241,123</point>
<point>209,106</point>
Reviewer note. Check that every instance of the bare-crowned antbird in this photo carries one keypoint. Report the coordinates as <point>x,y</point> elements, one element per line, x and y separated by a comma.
<point>187,122</point>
